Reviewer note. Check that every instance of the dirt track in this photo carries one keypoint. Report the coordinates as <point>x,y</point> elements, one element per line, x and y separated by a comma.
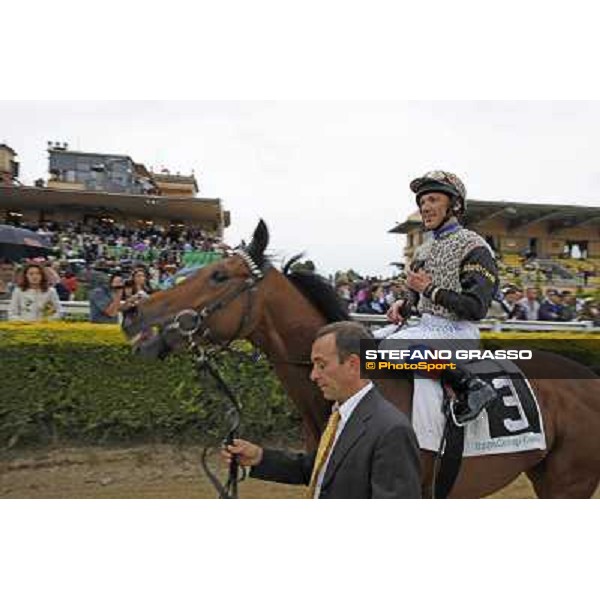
<point>138,472</point>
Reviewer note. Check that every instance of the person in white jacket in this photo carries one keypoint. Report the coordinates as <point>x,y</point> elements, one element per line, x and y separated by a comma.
<point>34,299</point>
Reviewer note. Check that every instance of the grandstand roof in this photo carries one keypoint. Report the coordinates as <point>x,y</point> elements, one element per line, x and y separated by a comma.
<point>168,207</point>
<point>66,150</point>
<point>520,214</point>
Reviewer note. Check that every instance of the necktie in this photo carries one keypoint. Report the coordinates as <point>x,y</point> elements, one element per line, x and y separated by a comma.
<point>324,448</point>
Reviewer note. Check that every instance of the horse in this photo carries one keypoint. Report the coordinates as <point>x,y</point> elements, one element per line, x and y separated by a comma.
<point>243,296</point>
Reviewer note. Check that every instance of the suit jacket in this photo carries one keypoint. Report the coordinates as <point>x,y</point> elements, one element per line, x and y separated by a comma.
<point>375,456</point>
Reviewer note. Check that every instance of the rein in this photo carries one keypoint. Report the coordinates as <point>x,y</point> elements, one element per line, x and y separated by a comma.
<point>205,365</point>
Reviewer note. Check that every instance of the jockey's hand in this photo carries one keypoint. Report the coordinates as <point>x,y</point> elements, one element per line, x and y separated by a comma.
<point>418,280</point>
<point>248,454</point>
<point>393,314</point>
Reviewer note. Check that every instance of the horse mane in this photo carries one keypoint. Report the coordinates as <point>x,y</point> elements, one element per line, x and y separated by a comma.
<point>314,288</point>
<point>317,291</point>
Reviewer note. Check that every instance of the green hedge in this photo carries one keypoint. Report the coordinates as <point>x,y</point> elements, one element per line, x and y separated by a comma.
<point>581,347</point>
<point>79,382</point>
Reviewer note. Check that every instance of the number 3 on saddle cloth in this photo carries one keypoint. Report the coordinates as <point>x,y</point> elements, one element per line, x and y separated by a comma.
<point>511,423</point>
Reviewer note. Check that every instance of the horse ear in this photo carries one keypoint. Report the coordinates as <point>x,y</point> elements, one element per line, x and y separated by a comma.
<point>259,243</point>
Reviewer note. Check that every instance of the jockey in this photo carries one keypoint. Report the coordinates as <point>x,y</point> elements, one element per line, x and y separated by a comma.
<point>452,280</point>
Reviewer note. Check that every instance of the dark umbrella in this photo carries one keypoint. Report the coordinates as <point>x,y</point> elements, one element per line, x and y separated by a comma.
<point>17,243</point>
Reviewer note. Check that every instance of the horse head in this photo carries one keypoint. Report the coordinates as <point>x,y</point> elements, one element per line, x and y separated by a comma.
<point>220,302</point>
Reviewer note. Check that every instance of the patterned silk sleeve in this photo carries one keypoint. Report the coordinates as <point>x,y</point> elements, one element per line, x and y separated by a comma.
<point>479,282</point>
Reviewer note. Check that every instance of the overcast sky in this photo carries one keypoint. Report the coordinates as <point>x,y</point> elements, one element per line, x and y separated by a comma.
<point>329,178</point>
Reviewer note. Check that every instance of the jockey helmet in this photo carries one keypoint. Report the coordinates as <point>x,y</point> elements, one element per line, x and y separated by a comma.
<point>446,183</point>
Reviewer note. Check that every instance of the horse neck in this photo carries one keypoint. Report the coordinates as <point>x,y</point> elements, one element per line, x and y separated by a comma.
<point>285,332</point>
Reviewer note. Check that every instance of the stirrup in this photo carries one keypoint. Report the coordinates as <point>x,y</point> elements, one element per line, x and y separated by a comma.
<point>450,401</point>
<point>470,413</point>
<point>455,420</point>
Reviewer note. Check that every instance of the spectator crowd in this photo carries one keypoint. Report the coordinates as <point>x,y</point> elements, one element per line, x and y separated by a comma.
<point>86,259</point>
<point>112,265</point>
<point>108,242</point>
<point>374,297</point>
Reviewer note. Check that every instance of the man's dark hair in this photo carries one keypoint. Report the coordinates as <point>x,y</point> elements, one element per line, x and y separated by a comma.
<point>347,337</point>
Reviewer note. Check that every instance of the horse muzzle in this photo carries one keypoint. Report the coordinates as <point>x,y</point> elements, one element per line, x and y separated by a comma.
<point>145,340</point>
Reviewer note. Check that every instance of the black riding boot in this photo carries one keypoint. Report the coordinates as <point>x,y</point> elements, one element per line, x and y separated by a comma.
<point>473,393</point>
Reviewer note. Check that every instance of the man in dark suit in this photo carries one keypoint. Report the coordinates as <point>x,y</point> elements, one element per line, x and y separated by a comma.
<point>368,450</point>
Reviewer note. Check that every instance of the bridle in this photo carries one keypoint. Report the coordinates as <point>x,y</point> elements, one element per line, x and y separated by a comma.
<point>200,318</point>
<point>193,325</point>
<point>206,365</point>
<point>200,326</point>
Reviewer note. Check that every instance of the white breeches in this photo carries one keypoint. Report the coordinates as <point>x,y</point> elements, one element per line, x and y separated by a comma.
<point>430,327</point>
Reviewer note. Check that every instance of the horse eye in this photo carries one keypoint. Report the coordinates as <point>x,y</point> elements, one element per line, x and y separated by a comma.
<point>219,277</point>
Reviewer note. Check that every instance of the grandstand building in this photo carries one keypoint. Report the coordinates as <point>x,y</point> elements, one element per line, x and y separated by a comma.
<point>94,187</point>
<point>561,242</point>
<point>9,167</point>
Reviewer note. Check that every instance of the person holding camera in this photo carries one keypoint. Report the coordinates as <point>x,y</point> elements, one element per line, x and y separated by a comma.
<point>140,284</point>
<point>106,300</point>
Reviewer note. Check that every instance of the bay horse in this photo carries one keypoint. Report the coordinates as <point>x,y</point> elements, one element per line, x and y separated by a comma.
<point>243,296</point>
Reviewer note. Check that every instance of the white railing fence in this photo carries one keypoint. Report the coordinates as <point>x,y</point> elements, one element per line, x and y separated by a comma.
<point>81,310</point>
<point>496,324</point>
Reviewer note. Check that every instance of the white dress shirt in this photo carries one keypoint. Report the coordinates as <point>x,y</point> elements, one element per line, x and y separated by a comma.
<point>346,409</point>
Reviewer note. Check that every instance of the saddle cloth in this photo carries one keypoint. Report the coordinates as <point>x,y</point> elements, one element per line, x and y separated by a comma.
<point>512,423</point>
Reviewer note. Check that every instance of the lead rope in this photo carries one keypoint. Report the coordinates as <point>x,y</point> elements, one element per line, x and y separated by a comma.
<point>229,490</point>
